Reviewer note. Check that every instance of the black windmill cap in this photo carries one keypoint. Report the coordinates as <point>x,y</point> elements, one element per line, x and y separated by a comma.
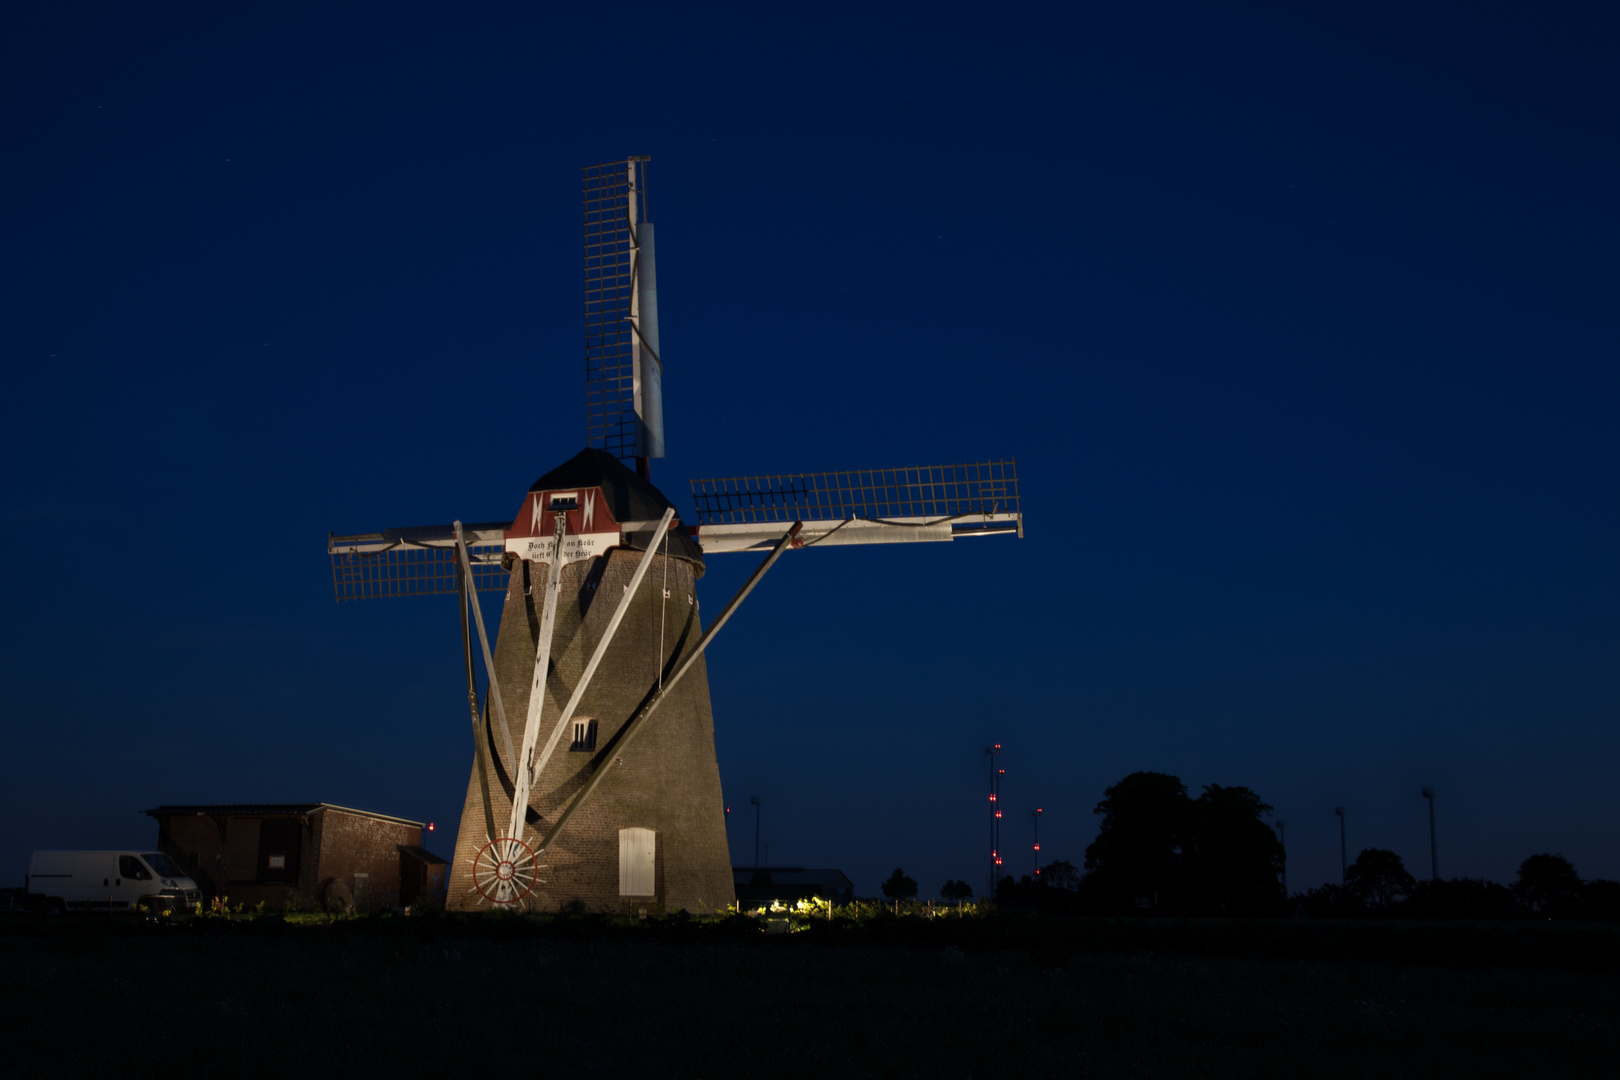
<point>628,497</point>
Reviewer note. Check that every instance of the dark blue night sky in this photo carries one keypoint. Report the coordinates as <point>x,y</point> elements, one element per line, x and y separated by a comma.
<point>1301,325</point>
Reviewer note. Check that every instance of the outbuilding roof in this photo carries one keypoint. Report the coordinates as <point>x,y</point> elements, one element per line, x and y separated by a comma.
<point>422,854</point>
<point>268,810</point>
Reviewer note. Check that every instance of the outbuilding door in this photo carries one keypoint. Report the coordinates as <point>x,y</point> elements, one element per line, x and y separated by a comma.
<point>638,859</point>
<point>279,841</point>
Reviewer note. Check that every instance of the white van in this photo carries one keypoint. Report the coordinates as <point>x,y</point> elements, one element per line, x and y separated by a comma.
<point>60,881</point>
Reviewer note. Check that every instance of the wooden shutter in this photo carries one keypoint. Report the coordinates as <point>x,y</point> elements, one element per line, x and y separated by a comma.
<point>638,859</point>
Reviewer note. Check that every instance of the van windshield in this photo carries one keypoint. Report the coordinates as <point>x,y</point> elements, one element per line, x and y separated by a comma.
<point>160,862</point>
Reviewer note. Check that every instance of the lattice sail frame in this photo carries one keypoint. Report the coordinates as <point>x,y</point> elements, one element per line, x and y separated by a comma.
<point>415,562</point>
<point>860,506</point>
<point>908,495</point>
<point>615,202</point>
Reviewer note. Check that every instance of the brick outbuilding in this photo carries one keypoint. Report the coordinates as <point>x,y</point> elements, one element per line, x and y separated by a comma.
<point>286,854</point>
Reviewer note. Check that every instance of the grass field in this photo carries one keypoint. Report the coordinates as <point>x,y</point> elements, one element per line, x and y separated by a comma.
<point>985,997</point>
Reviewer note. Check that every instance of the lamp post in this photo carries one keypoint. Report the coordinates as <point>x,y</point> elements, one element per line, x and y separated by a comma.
<point>1434,850</point>
<point>1037,816</point>
<point>1344,857</point>
<point>755,800</point>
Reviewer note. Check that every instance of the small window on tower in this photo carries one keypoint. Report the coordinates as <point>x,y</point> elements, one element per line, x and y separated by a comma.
<point>584,735</point>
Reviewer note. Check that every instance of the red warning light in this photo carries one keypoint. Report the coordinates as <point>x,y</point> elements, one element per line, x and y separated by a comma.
<point>430,826</point>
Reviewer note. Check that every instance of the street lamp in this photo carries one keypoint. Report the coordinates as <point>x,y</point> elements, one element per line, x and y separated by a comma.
<point>1434,849</point>
<point>1344,857</point>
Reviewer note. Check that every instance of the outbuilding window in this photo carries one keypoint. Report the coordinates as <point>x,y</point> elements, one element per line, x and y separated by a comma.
<point>584,734</point>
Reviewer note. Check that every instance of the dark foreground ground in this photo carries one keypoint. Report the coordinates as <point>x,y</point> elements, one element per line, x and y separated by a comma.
<point>994,997</point>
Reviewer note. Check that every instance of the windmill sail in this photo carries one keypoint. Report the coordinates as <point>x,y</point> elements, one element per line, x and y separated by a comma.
<point>418,561</point>
<point>861,506</point>
<point>623,376</point>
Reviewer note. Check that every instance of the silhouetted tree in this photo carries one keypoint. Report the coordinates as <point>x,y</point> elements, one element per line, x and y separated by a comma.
<point>1135,862</point>
<point>1548,886</point>
<point>1234,859</point>
<point>956,890</point>
<point>1328,902</point>
<point>1159,850</point>
<point>1378,880</point>
<point>1600,900</point>
<point>1019,893</point>
<point>1061,875</point>
<point>1461,898</point>
<point>899,887</point>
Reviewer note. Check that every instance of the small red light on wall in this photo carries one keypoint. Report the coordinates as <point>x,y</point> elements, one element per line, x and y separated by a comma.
<point>430,826</point>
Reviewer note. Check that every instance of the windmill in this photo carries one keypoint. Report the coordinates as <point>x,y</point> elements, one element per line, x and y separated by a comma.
<point>594,777</point>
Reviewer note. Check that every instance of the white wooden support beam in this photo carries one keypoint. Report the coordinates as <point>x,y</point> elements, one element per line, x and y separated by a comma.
<point>523,768</point>
<point>602,646</point>
<point>634,724</point>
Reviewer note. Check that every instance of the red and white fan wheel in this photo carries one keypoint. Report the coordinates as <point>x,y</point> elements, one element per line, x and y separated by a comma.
<point>505,872</point>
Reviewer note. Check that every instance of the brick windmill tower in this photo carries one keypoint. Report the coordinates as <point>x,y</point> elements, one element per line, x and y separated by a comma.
<point>594,778</point>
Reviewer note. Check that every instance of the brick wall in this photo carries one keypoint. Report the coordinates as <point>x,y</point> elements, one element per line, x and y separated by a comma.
<point>355,843</point>
<point>668,780</point>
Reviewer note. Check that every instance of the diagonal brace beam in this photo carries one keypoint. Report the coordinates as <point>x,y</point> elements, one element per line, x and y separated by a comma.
<point>635,723</point>
<point>483,640</point>
<point>462,577</point>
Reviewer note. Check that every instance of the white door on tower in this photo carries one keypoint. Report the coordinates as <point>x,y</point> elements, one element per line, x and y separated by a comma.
<point>637,858</point>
